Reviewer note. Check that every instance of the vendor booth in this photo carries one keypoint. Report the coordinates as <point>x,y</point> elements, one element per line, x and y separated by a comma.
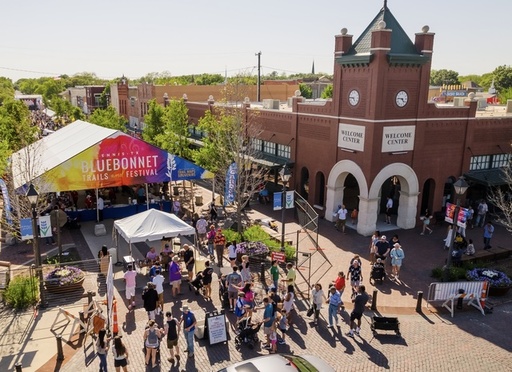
<point>150,225</point>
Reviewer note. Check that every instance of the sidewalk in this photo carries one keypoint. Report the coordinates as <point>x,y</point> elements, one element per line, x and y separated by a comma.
<point>32,343</point>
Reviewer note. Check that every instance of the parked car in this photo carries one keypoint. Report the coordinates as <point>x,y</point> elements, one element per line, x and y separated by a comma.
<point>281,363</point>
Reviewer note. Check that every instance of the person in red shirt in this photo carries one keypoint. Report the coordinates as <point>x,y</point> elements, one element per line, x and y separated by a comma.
<point>339,284</point>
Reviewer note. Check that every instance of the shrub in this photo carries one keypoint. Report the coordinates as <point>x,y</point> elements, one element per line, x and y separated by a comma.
<point>454,274</point>
<point>22,292</point>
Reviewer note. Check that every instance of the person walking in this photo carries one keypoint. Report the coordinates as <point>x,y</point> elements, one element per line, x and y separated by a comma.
<point>158,281</point>
<point>207,277</point>
<point>175,276</point>
<point>233,280</point>
<point>397,255</point>
<point>355,276</point>
<point>289,306</point>
<point>342,218</point>
<point>188,258</point>
<point>102,345</point>
<point>383,248</point>
<point>189,325</point>
<point>359,303</point>
<point>318,299</point>
<point>488,231</point>
<point>201,227</point>
<point>172,331</point>
<point>152,336</point>
<point>481,211</point>
<point>389,207</point>
<point>120,354</point>
<point>274,273</point>
<point>426,222</point>
<point>150,298</point>
<point>220,244</point>
<point>373,248</point>
<point>130,283</point>
<point>334,302</point>
<point>268,321</point>
<point>339,283</point>
<point>210,239</point>
<point>232,253</point>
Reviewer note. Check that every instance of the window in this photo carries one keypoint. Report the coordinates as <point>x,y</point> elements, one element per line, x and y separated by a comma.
<point>284,151</point>
<point>500,160</point>
<point>97,97</point>
<point>257,144</point>
<point>489,161</point>
<point>269,147</point>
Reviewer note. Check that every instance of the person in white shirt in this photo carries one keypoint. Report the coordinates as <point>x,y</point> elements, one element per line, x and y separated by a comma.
<point>130,281</point>
<point>101,205</point>
<point>232,253</point>
<point>342,218</point>
<point>201,226</point>
<point>158,281</point>
<point>389,206</point>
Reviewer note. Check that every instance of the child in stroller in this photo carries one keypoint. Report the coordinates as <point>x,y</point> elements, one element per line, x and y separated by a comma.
<point>197,283</point>
<point>378,272</point>
<point>248,332</point>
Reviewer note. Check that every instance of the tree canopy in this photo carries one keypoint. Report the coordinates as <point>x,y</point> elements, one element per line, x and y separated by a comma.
<point>108,118</point>
<point>444,77</point>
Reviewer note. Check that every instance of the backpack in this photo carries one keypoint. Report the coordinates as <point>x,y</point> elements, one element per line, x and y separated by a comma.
<point>152,337</point>
<point>239,308</point>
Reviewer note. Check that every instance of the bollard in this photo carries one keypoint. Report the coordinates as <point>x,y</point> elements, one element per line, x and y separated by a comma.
<point>262,275</point>
<point>18,367</point>
<point>82,320</point>
<point>374,300</point>
<point>60,352</point>
<point>418,303</point>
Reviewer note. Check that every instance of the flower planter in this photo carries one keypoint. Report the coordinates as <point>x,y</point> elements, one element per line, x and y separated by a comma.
<point>53,286</point>
<point>498,291</point>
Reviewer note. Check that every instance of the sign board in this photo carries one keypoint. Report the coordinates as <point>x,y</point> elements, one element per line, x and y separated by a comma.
<point>278,256</point>
<point>45,227</point>
<point>400,138</point>
<point>216,325</point>
<point>461,218</point>
<point>351,137</point>
<point>26,229</point>
<point>278,204</point>
<point>290,199</point>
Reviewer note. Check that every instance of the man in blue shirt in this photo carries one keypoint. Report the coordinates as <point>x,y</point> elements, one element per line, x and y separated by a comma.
<point>189,325</point>
<point>334,302</point>
<point>268,320</point>
<point>488,231</point>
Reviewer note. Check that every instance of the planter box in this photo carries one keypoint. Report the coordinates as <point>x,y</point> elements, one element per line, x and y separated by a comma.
<point>54,287</point>
<point>498,291</point>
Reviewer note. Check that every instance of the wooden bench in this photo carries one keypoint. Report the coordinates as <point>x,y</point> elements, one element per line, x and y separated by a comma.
<point>473,292</point>
<point>492,254</point>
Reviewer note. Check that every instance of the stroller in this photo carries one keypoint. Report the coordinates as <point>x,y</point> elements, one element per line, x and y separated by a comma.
<point>248,334</point>
<point>197,284</point>
<point>377,273</point>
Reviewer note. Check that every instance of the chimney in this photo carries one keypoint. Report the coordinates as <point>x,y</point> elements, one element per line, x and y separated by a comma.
<point>424,41</point>
<point>381,37</point>
<point>343,43</point>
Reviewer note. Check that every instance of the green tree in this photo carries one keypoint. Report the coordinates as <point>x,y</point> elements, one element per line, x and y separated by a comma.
<point>305,91</point>
<point>6,89</point>
<point>108,118</point>
<point>154,123</point>
<point>505,95</point>
<point>440,77</point>
<point>174,138</point>
<point>64,109</point>
<point>15,125</point>
<point>229,133</point>
<point>327,92</point>
<point>502,77</point>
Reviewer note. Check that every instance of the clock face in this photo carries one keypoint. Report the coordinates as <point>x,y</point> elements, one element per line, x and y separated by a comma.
<point>401,98</point>
<point>353,97</point>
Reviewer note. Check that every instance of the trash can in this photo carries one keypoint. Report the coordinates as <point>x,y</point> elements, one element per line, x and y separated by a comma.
<point>199,199</point>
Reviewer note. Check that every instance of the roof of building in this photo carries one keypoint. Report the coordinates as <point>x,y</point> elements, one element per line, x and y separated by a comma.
<point>402,48</point>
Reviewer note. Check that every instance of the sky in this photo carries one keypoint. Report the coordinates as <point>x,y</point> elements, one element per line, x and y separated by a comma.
<point>112,38</point>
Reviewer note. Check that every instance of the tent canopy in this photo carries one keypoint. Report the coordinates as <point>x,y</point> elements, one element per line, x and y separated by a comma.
<point>84,156</point>
<point>151,225</point>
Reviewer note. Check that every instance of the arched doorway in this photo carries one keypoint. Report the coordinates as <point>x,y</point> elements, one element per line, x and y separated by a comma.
<point>427,196</point>
<point>351,192</point>
<point>390,189</point>
<point>320,189</point>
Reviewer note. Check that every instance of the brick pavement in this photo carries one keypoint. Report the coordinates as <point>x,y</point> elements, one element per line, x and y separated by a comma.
<point>432,341</point>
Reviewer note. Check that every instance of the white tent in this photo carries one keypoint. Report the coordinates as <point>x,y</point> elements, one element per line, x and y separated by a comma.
<point>151,225</point>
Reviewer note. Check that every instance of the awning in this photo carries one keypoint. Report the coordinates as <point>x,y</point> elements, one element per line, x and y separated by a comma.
<point>487,177</point>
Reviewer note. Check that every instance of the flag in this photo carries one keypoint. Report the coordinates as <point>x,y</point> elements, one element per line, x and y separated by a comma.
<point>231,180</point>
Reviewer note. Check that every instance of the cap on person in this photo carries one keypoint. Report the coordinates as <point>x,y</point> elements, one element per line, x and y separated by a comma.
<point>176,258</point>
<point>185,308</point>
<point>166,245</point>
<point>379,260</point>
<point>383,237</point>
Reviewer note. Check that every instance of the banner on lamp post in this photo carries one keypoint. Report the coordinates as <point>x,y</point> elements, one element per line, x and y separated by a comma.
<point>45,227</point>
<point>231,180</point>
<point>461,218</point>
<point>26,229</point>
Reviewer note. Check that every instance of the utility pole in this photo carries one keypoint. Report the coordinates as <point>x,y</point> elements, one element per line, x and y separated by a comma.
<point>258,91</point>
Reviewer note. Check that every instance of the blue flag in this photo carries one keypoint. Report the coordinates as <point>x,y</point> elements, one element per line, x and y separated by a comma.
<point>231,180</point>
<point>7,202</point>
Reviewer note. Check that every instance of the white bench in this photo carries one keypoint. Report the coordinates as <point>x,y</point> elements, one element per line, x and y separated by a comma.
<point>449,293</point>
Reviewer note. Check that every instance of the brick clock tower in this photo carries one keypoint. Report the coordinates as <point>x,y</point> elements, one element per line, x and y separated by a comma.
<point>381,84</point>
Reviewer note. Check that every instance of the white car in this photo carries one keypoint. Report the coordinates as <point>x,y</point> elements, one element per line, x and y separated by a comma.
<point>281,363</point>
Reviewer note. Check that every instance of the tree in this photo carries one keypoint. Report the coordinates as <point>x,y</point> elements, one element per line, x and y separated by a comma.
<point>174,137</point>
<point>305,91</point>
<point>327,92</point>
<point>108,118</point>
<point>15,124</point>
<point>444,77</point>
<point>505,95</point>
<point>154,123</point>
<point>6,89</point>
<point>501,198</point>
<point>231,133</point>
<point>502,77</point>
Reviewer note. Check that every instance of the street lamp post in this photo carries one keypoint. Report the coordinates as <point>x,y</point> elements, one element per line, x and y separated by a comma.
<point>32,196</point>
<point>285,177</point>
<point>460,188</point>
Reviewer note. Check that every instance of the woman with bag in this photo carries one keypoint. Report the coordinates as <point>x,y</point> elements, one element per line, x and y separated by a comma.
<point>120,355</point>
<point>152,337</point>
<point>102,349</point>
<point>397,255</point>
<point>318,296</point>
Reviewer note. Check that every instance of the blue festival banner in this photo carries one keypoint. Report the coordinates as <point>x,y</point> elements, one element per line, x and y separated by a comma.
<point>7,202</point>
<point>231,180</point>
<point>26,229</point>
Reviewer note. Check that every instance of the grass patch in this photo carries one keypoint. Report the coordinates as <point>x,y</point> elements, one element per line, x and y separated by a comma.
<point>22,292</point>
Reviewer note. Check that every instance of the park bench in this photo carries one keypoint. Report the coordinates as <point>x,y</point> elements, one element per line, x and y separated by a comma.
<point>491,254</point>
<point>450,293</point>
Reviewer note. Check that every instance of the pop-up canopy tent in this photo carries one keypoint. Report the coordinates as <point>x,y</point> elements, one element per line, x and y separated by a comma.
<point>151,225</point>
<point>84,156</point>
